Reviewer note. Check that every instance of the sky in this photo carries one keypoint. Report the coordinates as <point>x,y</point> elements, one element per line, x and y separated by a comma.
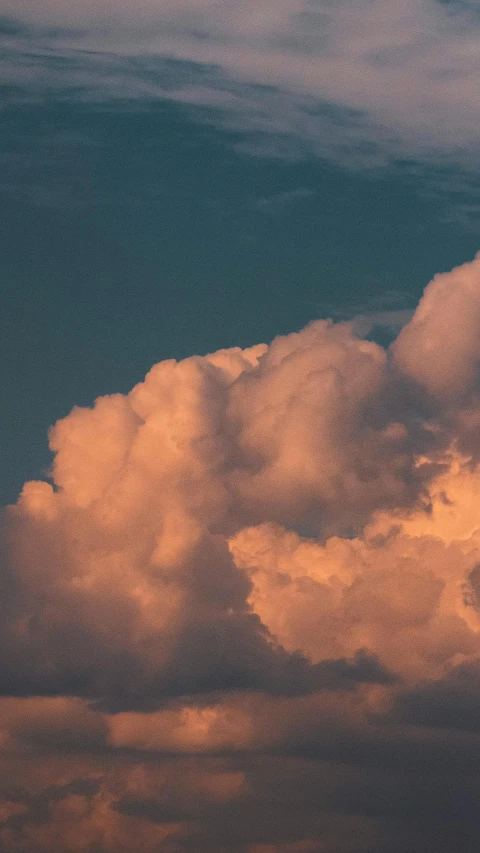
<point>240,348</point>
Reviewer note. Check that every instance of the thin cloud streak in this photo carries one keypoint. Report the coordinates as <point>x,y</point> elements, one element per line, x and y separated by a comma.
<point>372,81</point>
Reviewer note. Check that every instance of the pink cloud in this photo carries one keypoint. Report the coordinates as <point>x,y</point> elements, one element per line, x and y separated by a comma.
<point>253,557</point>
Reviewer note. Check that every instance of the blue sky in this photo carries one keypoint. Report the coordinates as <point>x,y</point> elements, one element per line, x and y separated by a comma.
<point>187,177</point>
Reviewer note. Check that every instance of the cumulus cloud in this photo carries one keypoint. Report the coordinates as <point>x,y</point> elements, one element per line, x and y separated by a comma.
<point>379,78</point>
<point>439,347</point>
<point>257,567</point>
<point>144,598</point>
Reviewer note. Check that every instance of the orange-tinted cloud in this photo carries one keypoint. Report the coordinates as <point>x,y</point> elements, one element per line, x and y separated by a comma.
<point>253,561</point>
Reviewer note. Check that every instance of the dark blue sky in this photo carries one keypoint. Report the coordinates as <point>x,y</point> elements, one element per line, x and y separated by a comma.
<point>139,228</point>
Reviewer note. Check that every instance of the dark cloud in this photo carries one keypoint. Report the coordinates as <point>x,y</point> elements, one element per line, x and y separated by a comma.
<point>451,702</point>
<point>37,807</point>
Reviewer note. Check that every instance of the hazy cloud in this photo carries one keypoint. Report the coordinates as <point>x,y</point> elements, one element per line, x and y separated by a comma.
<point>363,82</point>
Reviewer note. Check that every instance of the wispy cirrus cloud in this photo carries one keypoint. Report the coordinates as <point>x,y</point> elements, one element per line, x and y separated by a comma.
<point>372,81</point>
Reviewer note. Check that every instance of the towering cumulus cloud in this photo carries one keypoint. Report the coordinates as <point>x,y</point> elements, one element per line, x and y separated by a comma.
<point>245,616</point>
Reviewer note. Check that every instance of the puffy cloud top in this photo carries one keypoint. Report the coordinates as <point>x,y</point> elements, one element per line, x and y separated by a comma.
<point>439,347</point>
<point>272,549</point>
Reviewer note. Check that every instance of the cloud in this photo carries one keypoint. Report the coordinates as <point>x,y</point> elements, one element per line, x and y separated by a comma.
<point>366,82</point>
<point>452,702</point>
<point>244,615</point>
<point>145,601</point>
<point>438,348</point>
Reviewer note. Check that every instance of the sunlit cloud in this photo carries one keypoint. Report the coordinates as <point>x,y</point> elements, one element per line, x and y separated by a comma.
<point>250,581</point>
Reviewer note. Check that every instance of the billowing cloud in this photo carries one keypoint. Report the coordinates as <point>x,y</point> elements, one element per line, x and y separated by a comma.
<point>380,79</point>
<point>145,599</point>
<point>439,347</point>
<point>245,613</point>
